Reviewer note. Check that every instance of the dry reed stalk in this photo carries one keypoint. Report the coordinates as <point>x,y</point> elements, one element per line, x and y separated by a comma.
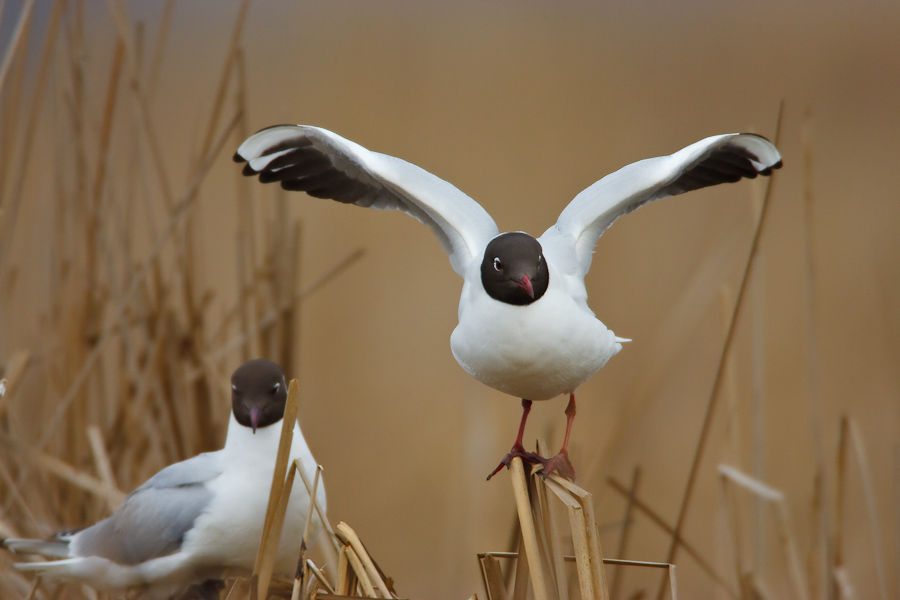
<point>520,590</point>
<point>785,534</point>
<point>370,570</point>
<point>626,529</point>
<point>230,57</point>
<point>526,522</point>
<point>541,541</point>
<point>120,309</point>
<point>717,381</point>
<point>579,540</point>
<point>862,463</point>
<point>685,316</point>
<point>518,556</point>
<point>301,575</point>
<point>345,579</point>
<point>119,15</point>
<point>102,462</point>
<point>821,565</point>
<point>732,515</point>
<point>548,534</point>
<point>34,587</point>
<point>268,544</point>
<point>493,578</point>
<point>598,572</point>
<point>334,546</point>
<point>270,317</point>
<point>161,39</point>
<point>11,197</point>
<point>662,524</point>
<point>840,494</point>
<point>359,571</point>
<point>320,577</point>
<point>63,470</point>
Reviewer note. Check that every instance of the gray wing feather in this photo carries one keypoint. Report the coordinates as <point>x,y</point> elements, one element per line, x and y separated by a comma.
<point>154,518</point>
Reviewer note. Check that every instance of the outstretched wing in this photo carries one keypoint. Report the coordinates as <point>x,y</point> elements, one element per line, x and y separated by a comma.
<point>714,160</point>
<point>325,165</point>
<point>155,517</point>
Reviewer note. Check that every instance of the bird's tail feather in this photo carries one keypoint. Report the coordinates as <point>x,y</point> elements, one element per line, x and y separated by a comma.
<point>49,549</point>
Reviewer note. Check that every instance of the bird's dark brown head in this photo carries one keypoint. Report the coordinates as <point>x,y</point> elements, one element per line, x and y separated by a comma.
<point>258,393</point>
<point>514,270</point>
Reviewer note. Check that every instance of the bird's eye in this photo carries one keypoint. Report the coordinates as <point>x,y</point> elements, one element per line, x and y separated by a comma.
<point>497,265</point>
<point>234,387</point>
<point>275,388</point>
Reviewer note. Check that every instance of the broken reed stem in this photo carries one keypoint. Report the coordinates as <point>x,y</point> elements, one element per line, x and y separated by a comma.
<point>493,578</point>
<point>773,496</point>
<point>371,571</point>
<point>320,577</point>
<point>717,382</point>
<point>335,546</point>
<point>592,539</point>
<point>361,576</point>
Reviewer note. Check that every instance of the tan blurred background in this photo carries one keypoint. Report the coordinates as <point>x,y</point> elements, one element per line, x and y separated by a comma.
<point>521,105</point>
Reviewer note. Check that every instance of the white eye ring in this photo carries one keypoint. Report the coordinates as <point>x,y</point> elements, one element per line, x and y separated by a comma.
<point>497,265</point>
<point>277,385</point>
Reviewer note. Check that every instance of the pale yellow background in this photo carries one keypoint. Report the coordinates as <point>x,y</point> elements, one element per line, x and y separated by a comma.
<point>521,105</point>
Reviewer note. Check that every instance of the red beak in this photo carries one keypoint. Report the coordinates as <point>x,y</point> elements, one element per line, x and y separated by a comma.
<point>254,418</point>
<point>525,284</point>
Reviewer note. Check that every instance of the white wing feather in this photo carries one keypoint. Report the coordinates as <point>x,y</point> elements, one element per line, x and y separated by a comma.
<point>714,160</point>
<point>325,165</point>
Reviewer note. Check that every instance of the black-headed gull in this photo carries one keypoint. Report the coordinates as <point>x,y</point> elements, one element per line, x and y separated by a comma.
<point>524,323</point>
<point>181,529</point>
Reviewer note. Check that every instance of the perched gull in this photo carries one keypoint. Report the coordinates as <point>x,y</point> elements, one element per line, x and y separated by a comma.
<point>524,323</point>
<point>180,530</point>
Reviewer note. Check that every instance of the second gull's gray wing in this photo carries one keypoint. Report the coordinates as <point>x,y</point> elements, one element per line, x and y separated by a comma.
<point>154,518</point>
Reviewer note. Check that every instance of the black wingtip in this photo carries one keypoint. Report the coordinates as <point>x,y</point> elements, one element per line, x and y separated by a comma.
<point>248,171</point>
<point>768,170</point>
<point>238,158</point>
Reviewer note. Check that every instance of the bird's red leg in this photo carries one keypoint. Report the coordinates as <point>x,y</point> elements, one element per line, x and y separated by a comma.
<point>518,449</point>
<point>561,462</point>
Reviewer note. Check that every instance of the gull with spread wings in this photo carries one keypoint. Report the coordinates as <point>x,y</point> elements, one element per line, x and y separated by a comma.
<point>525,327</point>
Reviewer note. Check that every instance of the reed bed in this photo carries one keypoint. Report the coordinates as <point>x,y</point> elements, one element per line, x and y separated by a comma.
<point>126,355</point>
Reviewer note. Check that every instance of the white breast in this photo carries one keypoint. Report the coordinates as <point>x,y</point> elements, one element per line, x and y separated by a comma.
<point>536,352</point>
<point>231,528</point>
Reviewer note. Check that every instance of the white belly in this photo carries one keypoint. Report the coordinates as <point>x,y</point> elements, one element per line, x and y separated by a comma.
<point>536,352</point>
<point>232,526</point>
